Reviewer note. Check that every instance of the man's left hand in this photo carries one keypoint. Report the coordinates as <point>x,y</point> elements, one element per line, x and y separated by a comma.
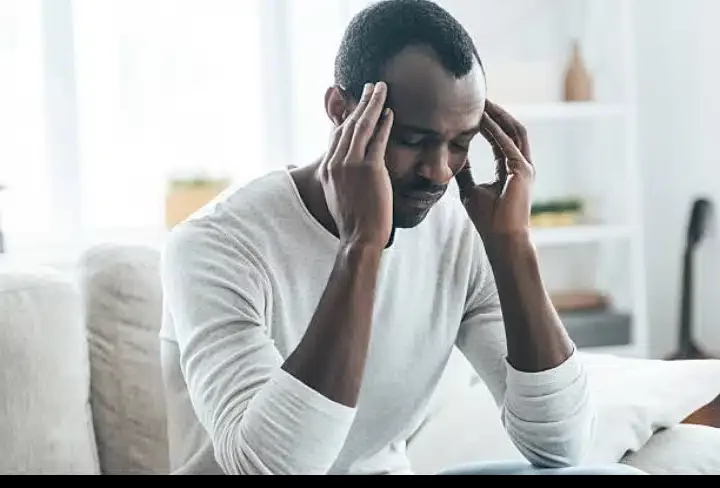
<point>501,209</point>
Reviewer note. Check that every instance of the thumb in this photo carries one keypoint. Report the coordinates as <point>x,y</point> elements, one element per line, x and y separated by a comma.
<point>465,180</point>
<point>517,190</point>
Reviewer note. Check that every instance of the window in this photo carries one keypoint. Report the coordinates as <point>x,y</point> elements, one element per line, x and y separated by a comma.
<point>165,88</point>
<point>23,166</point>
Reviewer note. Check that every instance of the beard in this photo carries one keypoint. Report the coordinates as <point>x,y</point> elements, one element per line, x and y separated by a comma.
<point>413,200</point>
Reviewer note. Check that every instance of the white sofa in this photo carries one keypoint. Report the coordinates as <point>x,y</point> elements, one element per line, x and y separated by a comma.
<point>81,386</point>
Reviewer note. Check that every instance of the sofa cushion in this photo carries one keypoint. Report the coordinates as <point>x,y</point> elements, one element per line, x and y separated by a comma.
<point>635,398</point>
<point>680,450</point>
<point>45,425</point>
<point>123,304</point>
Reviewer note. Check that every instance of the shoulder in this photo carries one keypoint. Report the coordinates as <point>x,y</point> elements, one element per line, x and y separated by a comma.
<point>234,219</point>
<point>227,234</point>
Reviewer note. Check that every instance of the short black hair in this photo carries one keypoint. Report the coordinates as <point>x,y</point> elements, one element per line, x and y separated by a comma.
<point>380,31</point>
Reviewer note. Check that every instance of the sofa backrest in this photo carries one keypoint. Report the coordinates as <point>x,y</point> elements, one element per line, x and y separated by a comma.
<point>45,421</point>
<point>123,308</point>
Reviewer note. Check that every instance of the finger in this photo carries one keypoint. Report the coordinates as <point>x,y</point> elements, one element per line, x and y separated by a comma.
<point>332,148</point>
<point>511,126</point>
<point>378,143</point>
<point>366,124</point>
<point>465,180</point>
<point>348,126</point>
<point>516,163</point>
<point>498,156</point>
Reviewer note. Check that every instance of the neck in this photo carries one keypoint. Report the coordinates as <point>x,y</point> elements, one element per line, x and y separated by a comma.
<point>307,181</point>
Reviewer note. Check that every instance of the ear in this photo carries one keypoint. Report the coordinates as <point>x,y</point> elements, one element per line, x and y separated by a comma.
<point>338,105</point>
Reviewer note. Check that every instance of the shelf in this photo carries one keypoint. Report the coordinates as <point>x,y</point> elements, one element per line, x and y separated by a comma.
<point>579,234</point>
<point>598,328</point>
<point>565,111</point>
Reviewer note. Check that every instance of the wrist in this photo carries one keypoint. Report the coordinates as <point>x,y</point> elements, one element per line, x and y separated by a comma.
<point>360,253</point>
<point>515,245</point>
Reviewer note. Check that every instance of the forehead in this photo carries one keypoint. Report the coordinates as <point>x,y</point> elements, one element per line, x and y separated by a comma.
<point>423,93</point>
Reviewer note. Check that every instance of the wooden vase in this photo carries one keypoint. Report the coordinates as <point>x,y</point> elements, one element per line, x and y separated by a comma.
<point>578,82</point>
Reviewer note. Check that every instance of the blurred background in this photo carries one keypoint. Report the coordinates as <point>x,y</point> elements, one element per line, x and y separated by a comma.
<point>119,118</point>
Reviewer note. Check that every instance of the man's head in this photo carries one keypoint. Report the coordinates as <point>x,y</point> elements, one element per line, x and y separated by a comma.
<point>436,88</point>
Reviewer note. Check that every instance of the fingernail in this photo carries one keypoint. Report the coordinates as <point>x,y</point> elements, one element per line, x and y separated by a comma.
<point>367,88</point>
<point>386,113</point>
<point>379,86</point>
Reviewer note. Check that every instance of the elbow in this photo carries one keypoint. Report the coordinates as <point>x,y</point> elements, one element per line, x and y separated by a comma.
<point>559,444</point>
<point>244,448</point>
<point>233,455</point>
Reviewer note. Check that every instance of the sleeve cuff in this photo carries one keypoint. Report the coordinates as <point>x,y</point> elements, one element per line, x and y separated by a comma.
<point>295,429</point>
<point>296,393</point>
<point>523,384</point>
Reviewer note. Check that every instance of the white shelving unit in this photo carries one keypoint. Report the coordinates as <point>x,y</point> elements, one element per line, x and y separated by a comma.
<point>620,234</point>
<point>587,149</point>
<point>580,234</point>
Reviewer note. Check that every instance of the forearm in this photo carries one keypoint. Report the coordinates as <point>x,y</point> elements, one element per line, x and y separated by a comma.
<point>536,337</point>
<point>331,356</point>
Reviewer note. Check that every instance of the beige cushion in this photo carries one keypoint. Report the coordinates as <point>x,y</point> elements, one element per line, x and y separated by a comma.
<point>45,422</point>
<point>123,304</point>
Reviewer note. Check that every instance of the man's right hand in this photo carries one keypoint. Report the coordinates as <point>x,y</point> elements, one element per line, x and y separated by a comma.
<point>354,178</point>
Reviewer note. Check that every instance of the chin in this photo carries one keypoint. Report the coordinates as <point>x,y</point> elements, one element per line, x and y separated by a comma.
<point>407,219</point>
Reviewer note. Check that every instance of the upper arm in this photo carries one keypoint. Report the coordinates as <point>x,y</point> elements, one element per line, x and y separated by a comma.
<point>481,336</point>
<point>215,295</point>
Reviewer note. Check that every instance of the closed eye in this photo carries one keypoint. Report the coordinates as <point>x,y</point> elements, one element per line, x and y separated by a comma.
<point>460,147</point>
<point>462,144</point>
<point>409,140</point>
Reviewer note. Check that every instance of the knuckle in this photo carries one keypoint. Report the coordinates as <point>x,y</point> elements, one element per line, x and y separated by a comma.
<point>363,125</point>
<point>353,157</point>
<point>349,124</point>
<point>531,171</point>
<point>337,133</point>
<point>333,170</point>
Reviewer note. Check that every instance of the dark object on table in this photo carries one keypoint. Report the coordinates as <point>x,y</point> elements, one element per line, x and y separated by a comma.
<point>687,347</point>
<point>697,229</point>
<point>598,328</point>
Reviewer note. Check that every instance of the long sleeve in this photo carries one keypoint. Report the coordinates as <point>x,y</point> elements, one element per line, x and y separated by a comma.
<point>548,415</point>
<point>261,420</point>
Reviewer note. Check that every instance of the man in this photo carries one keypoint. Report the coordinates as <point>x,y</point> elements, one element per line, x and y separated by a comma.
<point>310,314</point>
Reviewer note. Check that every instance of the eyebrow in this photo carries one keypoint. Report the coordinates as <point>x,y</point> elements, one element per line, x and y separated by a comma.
<point>430,132</point>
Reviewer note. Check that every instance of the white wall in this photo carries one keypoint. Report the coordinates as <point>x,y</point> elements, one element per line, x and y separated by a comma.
<point>678,70</point>
<point>678,47</point>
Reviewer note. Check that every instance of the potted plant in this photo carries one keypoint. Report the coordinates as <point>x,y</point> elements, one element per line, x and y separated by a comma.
<point>186,195</point>
<point>557,212</point>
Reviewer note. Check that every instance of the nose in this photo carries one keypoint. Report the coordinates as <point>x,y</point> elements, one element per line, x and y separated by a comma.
<point>435,165</point>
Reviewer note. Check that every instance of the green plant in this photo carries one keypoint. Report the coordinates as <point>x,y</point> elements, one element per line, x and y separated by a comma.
<point>558,205</point>
<point>198,182</point>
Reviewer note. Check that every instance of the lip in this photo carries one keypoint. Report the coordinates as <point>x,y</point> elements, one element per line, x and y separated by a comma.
<point>420,198</point>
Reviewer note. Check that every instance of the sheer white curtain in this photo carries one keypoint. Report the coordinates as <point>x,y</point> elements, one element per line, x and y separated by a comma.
<point>25,204</point>
<point>101,101</point>
<point>165,87</point>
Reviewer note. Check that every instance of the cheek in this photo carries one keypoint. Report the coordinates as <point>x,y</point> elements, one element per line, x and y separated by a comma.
<point>457,162</point>
<point>400,162</point>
